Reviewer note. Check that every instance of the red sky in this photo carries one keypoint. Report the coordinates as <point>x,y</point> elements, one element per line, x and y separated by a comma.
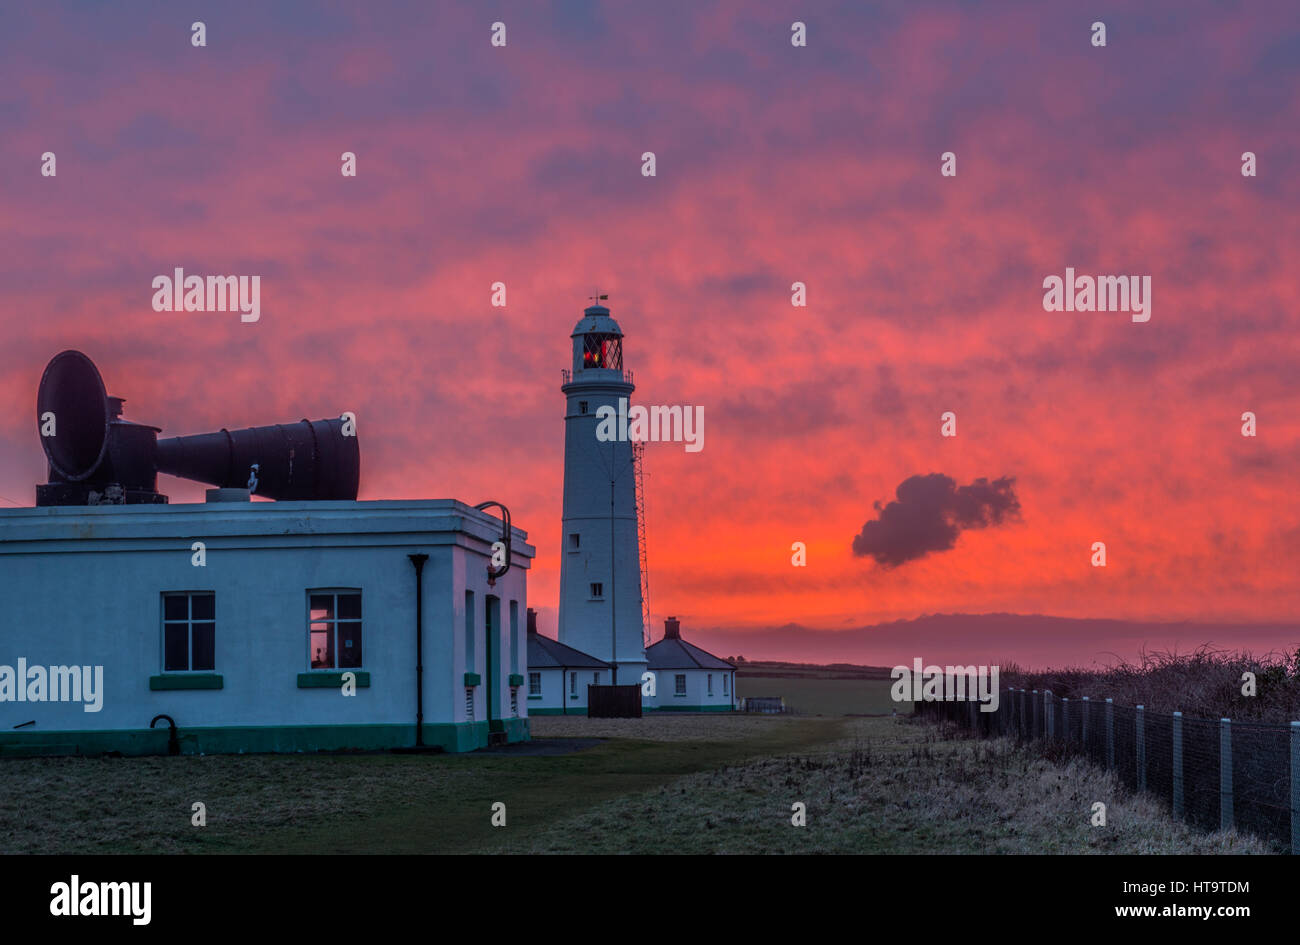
<point>775,164</point>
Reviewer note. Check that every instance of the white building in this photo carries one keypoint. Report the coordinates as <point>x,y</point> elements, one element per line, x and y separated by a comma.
<point>687,678</point>
<point>558,675</point>
<point>246,646</point>
<point>600,568</point>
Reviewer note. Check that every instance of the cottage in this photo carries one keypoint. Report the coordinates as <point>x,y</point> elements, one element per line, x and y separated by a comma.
<point>687,678</point>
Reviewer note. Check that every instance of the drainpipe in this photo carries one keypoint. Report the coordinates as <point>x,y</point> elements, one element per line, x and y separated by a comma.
<point>418,560</point>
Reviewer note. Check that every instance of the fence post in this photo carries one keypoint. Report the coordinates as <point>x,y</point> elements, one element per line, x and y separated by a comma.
<point>1065,718</point>
<point>1178,764</point>
<point>1084,709</point>
<point>1225,774</point>
<point>1048,714</point>
<point>1141,748</point>
<point>1110,732</point>
<point>1295,788</point>
<point>1033,714</point>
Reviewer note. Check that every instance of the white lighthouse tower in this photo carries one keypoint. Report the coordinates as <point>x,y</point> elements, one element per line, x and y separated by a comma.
<point>600,570</point>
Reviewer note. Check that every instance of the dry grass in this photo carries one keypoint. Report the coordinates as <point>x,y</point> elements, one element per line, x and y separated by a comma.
<point>1203,684</point>
<point>892,787</point>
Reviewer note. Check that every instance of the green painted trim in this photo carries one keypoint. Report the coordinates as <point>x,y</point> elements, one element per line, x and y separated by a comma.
<point>473,679</point>
<point>574,711</point>
<point>516,679</point>
<point>535,697</point>
<point>186,681</point>
<point>691,708</point>
<point>323,680</point>
<point>217,740</point>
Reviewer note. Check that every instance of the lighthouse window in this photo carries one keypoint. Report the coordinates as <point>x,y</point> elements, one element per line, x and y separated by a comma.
<point>597,591</point>
<point>602,351</point>
<point>582,406</point>
<point>189,632</point>
<point>334,629</point>
<point>574,541</point>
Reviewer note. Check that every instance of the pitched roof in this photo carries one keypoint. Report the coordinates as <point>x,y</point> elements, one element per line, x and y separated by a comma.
<point>545,653</point>
<point>676,653</point>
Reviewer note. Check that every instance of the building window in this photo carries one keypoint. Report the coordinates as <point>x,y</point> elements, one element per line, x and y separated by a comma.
<point>582,406</point>
<point>725,688</point>
<point>573,685</point>
<point>710,684</point>
<point>534,684</point>
<point>575,541</point>
<point>679,681</point>
<point>598,591</point>
<point>469,631</point>
<point>334,629</point>
<point>514,636</point>
<point>595,679</point>
<point>189,632</point>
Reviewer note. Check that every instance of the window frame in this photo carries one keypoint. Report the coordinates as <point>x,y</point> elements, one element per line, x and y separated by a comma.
<point>333,622</point>
<point>188,623</point>
<point>597,590</point>
<point>679,684</point>
<point>534,676</point>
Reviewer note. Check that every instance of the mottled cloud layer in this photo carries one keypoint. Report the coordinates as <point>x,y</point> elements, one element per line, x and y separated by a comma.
<point>775,164</point>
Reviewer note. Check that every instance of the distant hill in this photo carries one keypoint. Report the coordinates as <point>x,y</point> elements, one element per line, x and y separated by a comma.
<point>782,670</point>
<point>1030,640</point>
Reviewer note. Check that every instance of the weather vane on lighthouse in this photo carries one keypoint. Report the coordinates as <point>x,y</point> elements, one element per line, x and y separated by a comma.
<point>598,297</point>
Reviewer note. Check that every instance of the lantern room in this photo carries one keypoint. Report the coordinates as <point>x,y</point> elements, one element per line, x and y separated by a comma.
<point>597,341</point>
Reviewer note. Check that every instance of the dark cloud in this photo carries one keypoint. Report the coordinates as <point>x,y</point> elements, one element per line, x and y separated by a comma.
<point>928,515</point>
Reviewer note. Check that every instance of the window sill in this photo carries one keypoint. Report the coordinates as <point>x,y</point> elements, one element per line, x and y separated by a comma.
<point>679,695</point>
<point>329,679</point>
<point>531,698</point>
<point>186,681</point>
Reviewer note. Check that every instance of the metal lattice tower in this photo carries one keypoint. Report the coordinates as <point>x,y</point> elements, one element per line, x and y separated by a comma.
<point>638,458</point>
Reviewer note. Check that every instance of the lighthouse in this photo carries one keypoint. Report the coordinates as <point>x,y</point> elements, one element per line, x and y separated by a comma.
<point>600,568</point>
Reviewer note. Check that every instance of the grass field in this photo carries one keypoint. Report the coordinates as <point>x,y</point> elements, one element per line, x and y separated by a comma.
<point>821,696</point>
<point>885,786</point>
<point>664,784</point>
<point>365,803</point>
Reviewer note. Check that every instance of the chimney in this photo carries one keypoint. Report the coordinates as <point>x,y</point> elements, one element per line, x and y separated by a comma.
<point>532,620</point>
<point>672,629</point>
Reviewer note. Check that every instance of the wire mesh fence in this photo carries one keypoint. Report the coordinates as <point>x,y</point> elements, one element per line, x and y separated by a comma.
<point>1213,773</point>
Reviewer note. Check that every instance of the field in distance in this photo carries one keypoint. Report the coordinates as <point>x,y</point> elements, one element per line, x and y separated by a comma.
<point>810,689</point>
